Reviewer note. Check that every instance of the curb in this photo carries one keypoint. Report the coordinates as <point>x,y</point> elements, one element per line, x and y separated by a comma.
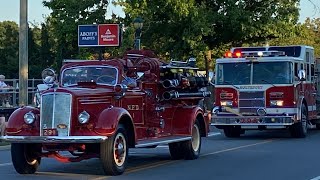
<point>3,148</point>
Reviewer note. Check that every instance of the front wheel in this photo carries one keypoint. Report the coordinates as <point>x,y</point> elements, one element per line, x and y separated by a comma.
<point>192,147</point>
<point>300,129</point>
<point>24,157</point>
<point>114,152</point>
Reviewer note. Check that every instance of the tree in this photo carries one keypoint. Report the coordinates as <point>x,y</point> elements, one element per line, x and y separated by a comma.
<point>179,29</point>
<point>9,45</point>
<point>33,52</point>
<point>64,19</point>
<point>46,56</point>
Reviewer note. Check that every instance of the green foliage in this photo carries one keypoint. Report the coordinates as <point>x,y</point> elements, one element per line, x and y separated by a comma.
<point>9,45</point>
<point>182,28</point>
<point>64,19</point>
<point>174,29</point>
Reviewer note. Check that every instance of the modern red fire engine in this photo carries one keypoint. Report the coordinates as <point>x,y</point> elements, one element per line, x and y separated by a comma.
<point>263,88</point>
<point>92,113</point>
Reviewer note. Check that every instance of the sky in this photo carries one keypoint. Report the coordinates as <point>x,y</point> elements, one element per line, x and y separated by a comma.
<point>9,10</point>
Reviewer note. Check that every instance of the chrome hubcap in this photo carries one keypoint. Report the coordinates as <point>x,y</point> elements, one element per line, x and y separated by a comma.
<point>119,153</point>
<point>195,138</point>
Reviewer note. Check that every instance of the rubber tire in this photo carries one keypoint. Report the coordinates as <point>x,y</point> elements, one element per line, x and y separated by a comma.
<point>297,130</point>
<point>107,156</point>
<point>232,131</point>
<point>176,151</point>
<point>24,159</point>
<point>189,152</point>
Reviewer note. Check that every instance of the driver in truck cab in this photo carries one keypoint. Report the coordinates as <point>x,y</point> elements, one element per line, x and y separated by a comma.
<point>128,81</point>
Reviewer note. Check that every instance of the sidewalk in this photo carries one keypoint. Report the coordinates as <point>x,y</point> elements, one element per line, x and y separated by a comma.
<point>4,148</point>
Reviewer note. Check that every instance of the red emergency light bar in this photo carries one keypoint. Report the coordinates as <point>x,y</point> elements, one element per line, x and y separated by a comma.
<point>238,54</point>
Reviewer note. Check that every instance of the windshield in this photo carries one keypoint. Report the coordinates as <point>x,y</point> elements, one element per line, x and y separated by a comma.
<point>99,74</point>
<point>233,73</point>
<point>254,73</point>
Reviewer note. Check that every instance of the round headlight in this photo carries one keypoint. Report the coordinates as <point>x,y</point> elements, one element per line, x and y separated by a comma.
<point>29,118</point>
<point>83,117</point>
<point>48,76</point>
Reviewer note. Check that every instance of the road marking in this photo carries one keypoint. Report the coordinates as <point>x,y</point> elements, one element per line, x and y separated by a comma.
<point>149,166</point>
<point>65,174</point>
<point>213,134</point>
<point>166,162</point>
<point>239,147</point>
<point>5,164</point>
<point>316,178</point>
<point>162,163</point>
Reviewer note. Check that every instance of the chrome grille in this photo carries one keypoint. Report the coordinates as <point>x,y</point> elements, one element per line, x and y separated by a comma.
<point>56,111</point>
<point>250,102</point>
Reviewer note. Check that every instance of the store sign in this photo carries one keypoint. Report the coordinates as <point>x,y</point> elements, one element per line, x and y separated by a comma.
<point>99,35</point>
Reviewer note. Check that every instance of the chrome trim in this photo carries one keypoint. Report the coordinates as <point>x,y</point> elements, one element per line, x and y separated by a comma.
<point>54,139</point>
<point>252,124</point>
<point>234,120</point>
<point>146,144</point>
<point>104,100</point>
<point>216,110</point>
<point>54,114</point>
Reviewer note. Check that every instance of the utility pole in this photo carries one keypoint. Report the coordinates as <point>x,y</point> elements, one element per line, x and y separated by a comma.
<point>23,54</point>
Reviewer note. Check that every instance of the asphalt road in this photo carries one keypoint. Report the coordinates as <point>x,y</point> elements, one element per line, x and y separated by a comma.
<point>258,155</point>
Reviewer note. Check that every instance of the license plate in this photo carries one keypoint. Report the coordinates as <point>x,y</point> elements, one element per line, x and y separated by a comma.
<point>49,132</point>
<point>250,120</point>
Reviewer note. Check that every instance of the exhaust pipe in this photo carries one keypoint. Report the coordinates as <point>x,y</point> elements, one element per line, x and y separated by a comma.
<point>170,83</point>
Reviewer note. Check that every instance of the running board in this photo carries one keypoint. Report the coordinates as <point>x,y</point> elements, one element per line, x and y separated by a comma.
<point>164,140</point>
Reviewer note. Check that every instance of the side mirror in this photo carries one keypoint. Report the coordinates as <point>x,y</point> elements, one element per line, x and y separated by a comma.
<point>302,75</point>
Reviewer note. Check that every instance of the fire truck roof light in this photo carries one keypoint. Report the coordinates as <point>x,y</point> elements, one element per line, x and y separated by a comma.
<point>247,54</point>
<point>238,54</point>
<point>228,54</point>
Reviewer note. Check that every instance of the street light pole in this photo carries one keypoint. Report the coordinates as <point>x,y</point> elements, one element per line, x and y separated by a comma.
<point>137,24</point>
<point>23,53</point>
<point>137,39</point>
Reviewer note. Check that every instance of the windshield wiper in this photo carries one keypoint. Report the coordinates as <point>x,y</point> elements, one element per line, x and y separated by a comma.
<point>268,82</point>
<point>227,82</point>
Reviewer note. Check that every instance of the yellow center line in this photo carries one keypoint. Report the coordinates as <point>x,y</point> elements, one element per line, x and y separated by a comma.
<point>166,162</point>
<point>44,173</point>
<point>149,166</point>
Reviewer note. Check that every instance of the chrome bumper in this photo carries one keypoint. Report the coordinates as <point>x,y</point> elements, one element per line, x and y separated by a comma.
<point>54,139</point>
<point>252,120</point>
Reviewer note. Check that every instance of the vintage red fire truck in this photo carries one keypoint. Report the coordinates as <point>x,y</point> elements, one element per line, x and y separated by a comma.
<point>263,88</point>
<point>91,113</point>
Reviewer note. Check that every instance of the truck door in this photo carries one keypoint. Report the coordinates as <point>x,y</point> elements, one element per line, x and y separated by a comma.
<point>151,115</point>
